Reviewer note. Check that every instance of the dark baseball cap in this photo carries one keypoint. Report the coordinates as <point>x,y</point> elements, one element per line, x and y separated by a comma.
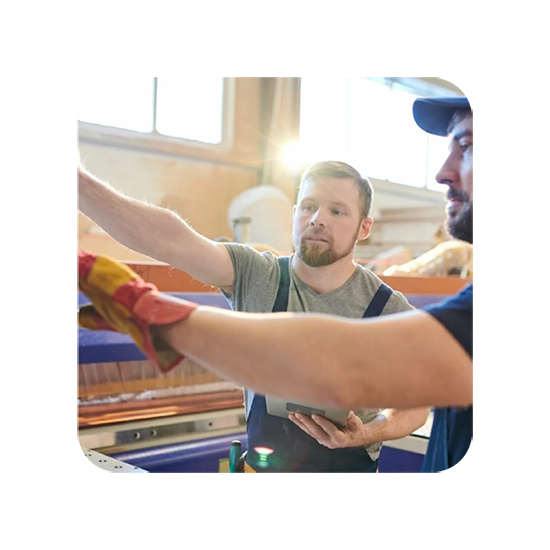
<point>433,114</point>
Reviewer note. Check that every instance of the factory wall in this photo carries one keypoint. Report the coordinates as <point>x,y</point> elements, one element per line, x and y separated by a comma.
<point>200,181</point>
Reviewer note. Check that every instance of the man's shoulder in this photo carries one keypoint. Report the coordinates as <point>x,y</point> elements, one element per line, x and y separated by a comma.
<point>456,314</point>
<point>245,252</point>
<point>460,302</point>
<point>396,302</point>
<point>372,280</point>
<point>367,274</point>
<point>255,278</point>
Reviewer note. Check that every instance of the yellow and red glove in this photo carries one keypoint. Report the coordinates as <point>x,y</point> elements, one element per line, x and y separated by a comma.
<point>123,302</point>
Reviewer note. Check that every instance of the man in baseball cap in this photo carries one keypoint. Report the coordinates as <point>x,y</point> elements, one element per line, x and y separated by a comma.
<point>452,117</point>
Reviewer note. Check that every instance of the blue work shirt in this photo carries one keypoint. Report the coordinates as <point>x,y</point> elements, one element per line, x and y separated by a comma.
<point>452,426</point>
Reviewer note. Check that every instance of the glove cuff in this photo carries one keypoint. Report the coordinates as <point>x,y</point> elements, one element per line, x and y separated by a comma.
<point>154,308</point>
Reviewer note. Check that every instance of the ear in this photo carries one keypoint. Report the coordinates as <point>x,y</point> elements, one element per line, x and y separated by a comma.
<point>364,229</point>
<point>294,209</point>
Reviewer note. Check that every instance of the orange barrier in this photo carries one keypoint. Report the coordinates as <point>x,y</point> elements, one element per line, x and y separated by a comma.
<point>170,279</point>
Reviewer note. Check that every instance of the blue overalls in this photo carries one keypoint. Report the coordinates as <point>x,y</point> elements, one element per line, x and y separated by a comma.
<point>293,449</point>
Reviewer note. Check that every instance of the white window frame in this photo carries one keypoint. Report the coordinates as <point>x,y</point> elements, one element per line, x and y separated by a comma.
<point>155,141</point>
<point>423,88</point>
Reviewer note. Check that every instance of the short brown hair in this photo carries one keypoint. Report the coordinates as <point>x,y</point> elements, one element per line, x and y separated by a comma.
<point>458,116</point>
<point>336,169</point>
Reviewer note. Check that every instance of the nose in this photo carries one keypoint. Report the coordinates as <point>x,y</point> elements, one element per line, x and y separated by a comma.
<point>448,173</point>
<point>318,218</point>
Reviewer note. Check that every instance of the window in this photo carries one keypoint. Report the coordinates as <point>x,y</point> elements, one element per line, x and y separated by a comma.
<point>185,108</point>
<point>369,124</point>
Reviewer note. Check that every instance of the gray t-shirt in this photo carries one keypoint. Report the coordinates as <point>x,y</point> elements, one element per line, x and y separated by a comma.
<point>255,285</point>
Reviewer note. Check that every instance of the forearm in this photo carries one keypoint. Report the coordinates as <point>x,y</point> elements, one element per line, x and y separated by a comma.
<point>394,424</point>
<point>328,360</point>
<point>133,223</point>
<point>154,231</point>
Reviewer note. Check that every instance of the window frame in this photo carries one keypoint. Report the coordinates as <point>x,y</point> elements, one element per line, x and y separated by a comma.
<point>91,132</point>
<point>420,87</point>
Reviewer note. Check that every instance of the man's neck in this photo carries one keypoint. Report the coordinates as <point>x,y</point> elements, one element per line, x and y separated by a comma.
<point>327,278</point>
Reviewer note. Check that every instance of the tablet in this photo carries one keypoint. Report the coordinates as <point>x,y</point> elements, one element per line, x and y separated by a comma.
<point>283,407</point>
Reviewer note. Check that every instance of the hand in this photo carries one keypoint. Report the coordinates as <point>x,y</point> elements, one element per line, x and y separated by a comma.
<point>123,302</point>
<point>326,433</point>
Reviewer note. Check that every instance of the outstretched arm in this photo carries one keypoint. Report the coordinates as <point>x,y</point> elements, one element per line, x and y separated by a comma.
<point>154,231</point>
<point>402,361</point>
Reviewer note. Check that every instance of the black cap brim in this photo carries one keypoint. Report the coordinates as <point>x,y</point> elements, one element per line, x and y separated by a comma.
<point>433,114</point>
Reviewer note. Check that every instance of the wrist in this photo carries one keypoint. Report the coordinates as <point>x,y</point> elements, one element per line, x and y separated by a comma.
<point>373,431</point>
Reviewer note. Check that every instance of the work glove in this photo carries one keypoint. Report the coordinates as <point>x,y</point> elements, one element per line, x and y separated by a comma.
<point>123,302</point>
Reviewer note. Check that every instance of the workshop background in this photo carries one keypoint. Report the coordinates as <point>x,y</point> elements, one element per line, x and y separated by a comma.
<point>227,154</point>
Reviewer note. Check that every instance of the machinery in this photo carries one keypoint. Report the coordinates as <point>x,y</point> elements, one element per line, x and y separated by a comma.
<point>181,421</point>
<point>132,418</point>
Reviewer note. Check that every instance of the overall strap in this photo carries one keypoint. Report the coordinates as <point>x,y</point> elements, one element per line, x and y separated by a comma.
<point>378,302</point>
<point>281,301</point>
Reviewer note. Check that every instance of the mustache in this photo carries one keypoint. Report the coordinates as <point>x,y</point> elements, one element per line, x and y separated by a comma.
<point>315,234</point>
<point>455,194</point>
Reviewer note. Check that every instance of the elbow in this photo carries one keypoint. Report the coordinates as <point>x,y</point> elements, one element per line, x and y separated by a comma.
<point>421,417</point>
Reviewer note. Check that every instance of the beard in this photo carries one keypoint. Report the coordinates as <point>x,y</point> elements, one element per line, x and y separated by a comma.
<point>461,224</point>
<point>317,255</point>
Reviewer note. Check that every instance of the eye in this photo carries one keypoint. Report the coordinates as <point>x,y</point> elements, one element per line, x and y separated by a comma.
<point>307,208</point>
<point>337,212</point>
<point>465,146</point>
